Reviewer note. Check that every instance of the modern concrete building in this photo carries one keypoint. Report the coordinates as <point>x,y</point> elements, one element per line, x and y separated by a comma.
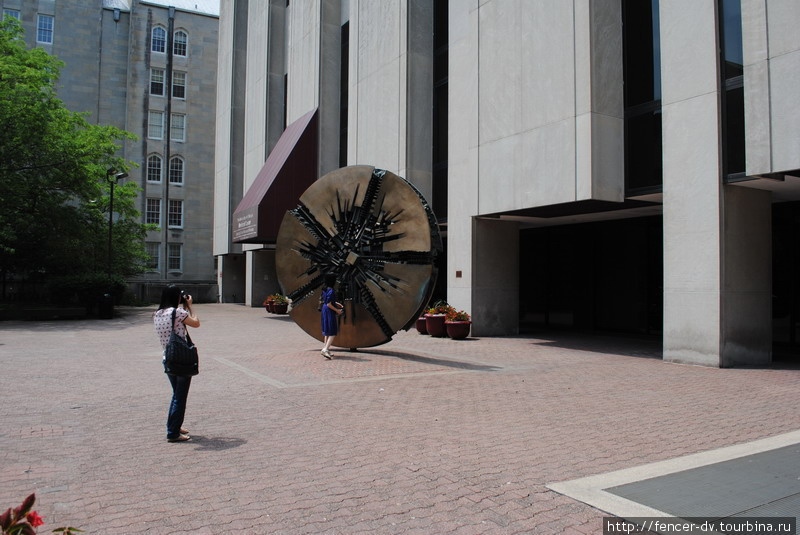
<point>628,166</point>
<point>148,68</point>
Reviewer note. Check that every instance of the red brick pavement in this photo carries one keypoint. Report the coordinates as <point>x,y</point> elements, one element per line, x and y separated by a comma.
<point>420,436</point>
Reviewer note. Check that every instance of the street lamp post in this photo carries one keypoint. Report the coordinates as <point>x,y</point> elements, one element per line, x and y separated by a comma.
<point>113,177</point>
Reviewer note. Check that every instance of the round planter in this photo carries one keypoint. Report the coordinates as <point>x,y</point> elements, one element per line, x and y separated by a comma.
<point>270,306</point>
<point>458,330</point>
<point>280,308</point>
<point>434,323</point>
<point>421,327</point>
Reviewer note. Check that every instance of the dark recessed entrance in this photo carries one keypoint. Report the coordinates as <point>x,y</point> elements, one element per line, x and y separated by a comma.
<point>785,282</point>
<point>602,276</point>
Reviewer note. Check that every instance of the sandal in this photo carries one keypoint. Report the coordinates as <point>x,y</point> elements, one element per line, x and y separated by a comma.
<point>327,354</point>
<point>180,438</point>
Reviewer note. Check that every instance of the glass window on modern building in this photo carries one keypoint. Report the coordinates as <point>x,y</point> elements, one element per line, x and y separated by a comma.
<point>158,40</point>
<point>154,254</point>
<point>180,42</point>
<point>153,212</point>
<point>13,13</point>
<point>178,84</point>
<point>44,29</point>
<point>157,82</point>
<point>175,214</point>
<point>175,257</point>
<point>176,171</point>
<point>178,127</point>
<point>641,38</point>
<point>441,51</point>
<point>154,168</point>
<point>155,125</point>
<point>732,71</point>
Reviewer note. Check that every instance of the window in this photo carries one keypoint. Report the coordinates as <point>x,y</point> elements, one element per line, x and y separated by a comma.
<point>153,252</point>
<point>178,127</point>
<point>155,125</point>
<point>344,86</point>
<point>13,13</point>
<point>158,40</point>
<point>157,82</point>
<point>440,107</point>
<point>175,214</point>
<point>733,139</point>
<point>175,257</point>
<point>641,46</point>
<point>176,170</point>
<point>179,43</point>
<point>153,212</point>
<point>154,168</point>
<point>178,84</point>
<point>44,29</point>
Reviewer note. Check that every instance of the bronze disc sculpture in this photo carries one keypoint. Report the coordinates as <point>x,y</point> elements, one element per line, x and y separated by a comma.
<point>377,234</point>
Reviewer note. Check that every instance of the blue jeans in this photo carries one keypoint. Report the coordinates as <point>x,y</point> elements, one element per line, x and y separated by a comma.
<point>177,407</point>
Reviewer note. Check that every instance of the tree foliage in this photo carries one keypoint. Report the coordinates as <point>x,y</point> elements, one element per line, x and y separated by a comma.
<point>54,195</point>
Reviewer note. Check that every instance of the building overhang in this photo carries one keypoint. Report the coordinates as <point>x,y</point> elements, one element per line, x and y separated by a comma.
<point>289,170</point>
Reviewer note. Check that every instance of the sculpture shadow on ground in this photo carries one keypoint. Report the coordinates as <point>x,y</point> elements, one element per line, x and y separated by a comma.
<point>461,365</point>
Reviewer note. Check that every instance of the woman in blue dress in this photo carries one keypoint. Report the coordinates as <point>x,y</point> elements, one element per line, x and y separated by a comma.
<point>331,310</point>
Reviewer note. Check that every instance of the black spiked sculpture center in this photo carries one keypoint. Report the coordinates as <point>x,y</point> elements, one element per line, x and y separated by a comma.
<point>377,234</point>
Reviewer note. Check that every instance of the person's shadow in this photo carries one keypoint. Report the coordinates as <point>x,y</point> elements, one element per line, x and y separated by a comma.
<point>216,443</point>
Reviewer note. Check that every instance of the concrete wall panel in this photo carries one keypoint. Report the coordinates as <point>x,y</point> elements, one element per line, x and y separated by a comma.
<point>688,49</point>
<point>785,89</point>
<point>783,16</point>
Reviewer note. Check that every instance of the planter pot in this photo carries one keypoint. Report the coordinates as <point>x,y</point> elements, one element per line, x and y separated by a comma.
<point>458,330</point>
<point>421,327</point>
<point>270,307</point>
<point>280,308</point>
<point>434,323</point>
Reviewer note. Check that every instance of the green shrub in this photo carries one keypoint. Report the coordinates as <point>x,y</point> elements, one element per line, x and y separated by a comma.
<point>84,288</point>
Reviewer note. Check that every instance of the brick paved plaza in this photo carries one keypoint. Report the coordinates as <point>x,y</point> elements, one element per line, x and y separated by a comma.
<point>422,435</point>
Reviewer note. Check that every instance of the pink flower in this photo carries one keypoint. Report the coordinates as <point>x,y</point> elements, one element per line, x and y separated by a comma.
<point>34,519</point>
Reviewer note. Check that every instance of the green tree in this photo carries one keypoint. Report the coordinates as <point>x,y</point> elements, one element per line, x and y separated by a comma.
<point>54,196</point>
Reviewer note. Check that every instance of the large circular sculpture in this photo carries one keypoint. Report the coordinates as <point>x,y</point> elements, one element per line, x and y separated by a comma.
<point>376,233</point>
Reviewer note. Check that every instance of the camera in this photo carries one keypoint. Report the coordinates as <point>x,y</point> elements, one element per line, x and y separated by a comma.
<point>185,298</point>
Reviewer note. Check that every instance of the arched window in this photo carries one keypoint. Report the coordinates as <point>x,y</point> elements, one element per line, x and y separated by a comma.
<point>181,40</point>
<point>154,168</point>
<point>158,42</point>
<point>176,170</point>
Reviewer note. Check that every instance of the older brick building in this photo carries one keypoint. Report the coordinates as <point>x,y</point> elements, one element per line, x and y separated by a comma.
<point>120,56</point>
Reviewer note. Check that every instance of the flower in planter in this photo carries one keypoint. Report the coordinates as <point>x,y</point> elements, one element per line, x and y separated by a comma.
<point>439,308</point>
<point>23,521</point>
<point>458,315</point>
<point>279,299</point>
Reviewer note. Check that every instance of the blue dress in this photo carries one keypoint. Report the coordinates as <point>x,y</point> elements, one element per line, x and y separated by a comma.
<point>330,324</point>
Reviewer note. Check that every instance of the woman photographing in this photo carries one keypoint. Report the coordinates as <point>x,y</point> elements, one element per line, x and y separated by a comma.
<point>175,304</point>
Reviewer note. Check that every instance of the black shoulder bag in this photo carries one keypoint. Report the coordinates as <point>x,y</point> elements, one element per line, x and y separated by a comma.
<point>180,356</point>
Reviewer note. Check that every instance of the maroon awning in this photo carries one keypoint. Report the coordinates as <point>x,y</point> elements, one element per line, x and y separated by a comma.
<point>290,168</point>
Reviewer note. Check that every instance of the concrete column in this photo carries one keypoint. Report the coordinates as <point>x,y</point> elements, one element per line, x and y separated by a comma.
<point>747,277</point>
<point>262,277</point>
<point>692,185</point>
<point>495,282</point>
<point>329,90</point>
<point>419,97</point>
<point>716,238</point>
<point>462,156</point>
<point>231,278</point>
